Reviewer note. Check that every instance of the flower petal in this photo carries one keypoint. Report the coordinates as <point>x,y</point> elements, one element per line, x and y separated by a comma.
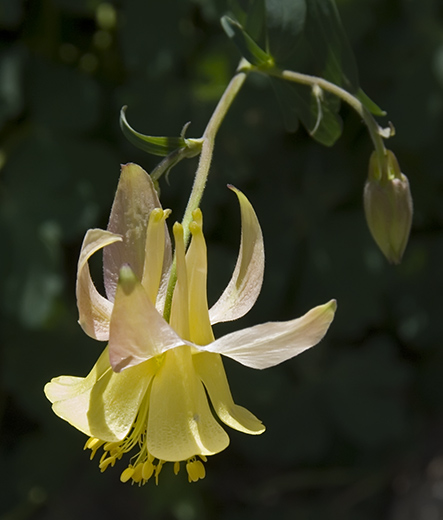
<point>94,310</point>
<point>210,369</point>
<point>245,284</point>
<point>179,319</point>
<point>134,200</point>
<point>103,404</point>
<point>269,344</point>
<point>137,331</point>
<point>66,387</point>
<point>180,422</point>
<point>200,329</point>
<point>153,269</point>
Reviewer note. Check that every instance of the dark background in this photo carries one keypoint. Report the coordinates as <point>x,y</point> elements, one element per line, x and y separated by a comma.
<point>354,426</point>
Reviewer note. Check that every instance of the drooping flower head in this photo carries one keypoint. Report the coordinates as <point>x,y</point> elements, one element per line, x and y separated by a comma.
<point>148,393</point>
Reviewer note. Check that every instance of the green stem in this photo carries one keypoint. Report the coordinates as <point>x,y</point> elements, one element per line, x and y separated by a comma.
<point>202,172</point>
<point>344,95</point>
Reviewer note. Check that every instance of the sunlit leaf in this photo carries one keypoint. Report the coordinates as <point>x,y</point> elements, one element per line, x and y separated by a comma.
<point>161,146</point>
<point>248,48</point>
<point>369,104</point>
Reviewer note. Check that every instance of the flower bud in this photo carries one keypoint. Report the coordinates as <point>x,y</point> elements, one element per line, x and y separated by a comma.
<point>388,206</point>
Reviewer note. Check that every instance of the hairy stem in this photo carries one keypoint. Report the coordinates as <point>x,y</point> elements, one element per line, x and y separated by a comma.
<point>202,172</point>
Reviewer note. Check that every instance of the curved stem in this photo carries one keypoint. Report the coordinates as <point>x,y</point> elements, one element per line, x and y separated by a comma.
<point>344,95</point>
<point>202,172</point>
<point>209,134</point>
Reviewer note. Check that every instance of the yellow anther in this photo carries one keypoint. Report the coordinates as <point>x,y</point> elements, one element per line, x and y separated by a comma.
<point>195,470</point>
<point>200,469</point>
<point>93,444</point>
<point>157,470</point>
<point>127,474</point>
<point>112,447</point>
<point>147,470</point>
<point>106,462</point>
<point>192,477</point>
<point>137,475</point>
<point>176,467</point>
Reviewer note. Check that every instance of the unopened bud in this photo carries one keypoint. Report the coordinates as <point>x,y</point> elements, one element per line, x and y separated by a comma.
<point>388,206</point>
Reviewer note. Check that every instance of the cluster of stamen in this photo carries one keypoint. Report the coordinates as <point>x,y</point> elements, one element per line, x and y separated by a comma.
<point>145,465</point>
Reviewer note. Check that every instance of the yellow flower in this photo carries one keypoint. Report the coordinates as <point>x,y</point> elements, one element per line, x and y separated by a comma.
<point>149,391</point>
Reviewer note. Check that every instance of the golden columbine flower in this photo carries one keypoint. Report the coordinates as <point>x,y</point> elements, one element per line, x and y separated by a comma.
<point>150,389</point>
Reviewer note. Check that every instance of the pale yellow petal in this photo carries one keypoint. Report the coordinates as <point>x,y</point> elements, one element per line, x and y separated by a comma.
<point>210,369</point>
<point>196,263</point>
<point>104,404</point>
<point>154,253</point>
<point>180,423</point>
<point>269,344</point>
<point>245,284</point>
<point>180,300</point>
<point>137,331</point>
<point>94,310</point>
<point>134,200</point>
<point>66,387</point>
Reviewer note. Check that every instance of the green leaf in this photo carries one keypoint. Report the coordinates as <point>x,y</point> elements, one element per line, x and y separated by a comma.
<point>248,48</point>
<point>255,23</point>
<point>285,20</point>
<point>330,44</point>
<point>318,113</point>
<point>369,104</point>
<point>161,146</point>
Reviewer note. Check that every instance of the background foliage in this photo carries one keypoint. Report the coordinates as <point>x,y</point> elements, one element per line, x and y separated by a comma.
<point>355,425</point>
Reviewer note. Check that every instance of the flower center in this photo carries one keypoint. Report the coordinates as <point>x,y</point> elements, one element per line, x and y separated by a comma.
<point>143,465</point>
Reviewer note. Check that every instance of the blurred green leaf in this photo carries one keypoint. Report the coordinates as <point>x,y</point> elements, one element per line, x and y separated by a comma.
<point>330,45</point>
<point>318,114</point>
<point>11,89</point>
<point>365,391</point>
<point>62,98</point>
<point>53,190</point>
<point>11,13</point>
<point>285,21</point>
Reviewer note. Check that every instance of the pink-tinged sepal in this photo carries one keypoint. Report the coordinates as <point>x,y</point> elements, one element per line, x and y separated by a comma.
<point>244,287</point>
<point>133,202</point>
<point>94,310</point>
<point>269,344</point>
<point>137,331</point>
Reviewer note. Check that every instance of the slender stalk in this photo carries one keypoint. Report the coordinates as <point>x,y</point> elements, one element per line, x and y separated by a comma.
<point>344,95</point>
<point>209,134</point>
<point>202,172</point>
